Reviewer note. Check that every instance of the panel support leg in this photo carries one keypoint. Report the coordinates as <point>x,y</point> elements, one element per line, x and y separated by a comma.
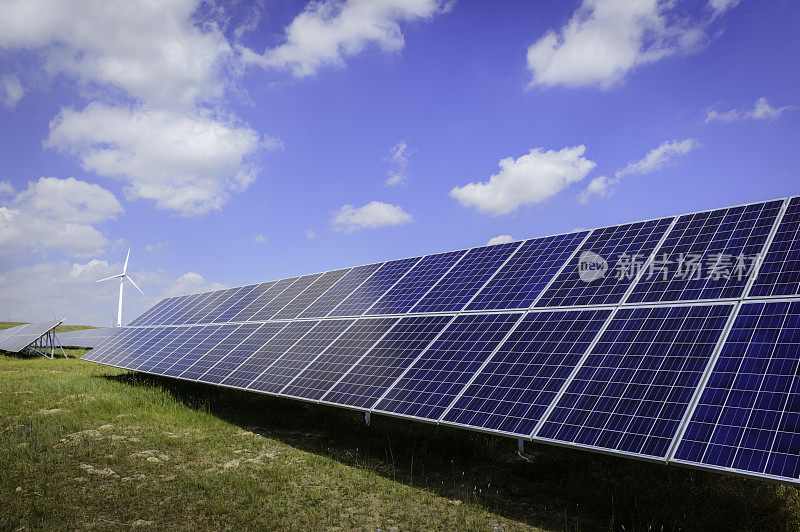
<point>521,446</point>
<point>367,418</point>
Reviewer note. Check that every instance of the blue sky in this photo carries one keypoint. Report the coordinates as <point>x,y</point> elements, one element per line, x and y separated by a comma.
<point>230,143</point>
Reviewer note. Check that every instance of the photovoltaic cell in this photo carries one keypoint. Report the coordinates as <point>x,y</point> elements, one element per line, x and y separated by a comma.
<point>266,295</point>
<point>440,373</point>
<point>748,416</point>
<point>520,281</point>
<point>338,292</point>
<point>310,294</point>
<point>282,299</point>
<point>365,382</point>
<point>238,354</point>
<point>515,388</point>
<point>177,352</point>
<point>780,270</point>
<point>708,255</point>
<point>209,310</point>
<point>215,354</point>
<point>245,301</point>
<point>183,304</point>
<point>632,391</point>
<point>136,356</point>
<point>462,282</point>
<point>419,279</point>
<point>155,309</point>
<point>314,342</point>
<point>189,311</point>
<point>617,246</point>
<point>131,346</point>
<point>374,287</point>
<point>268,353</point>
<point>343,353</point>
<point>107,349</point>
<point>231,302</point>
<point>211,336</point>
<point>178,338</point>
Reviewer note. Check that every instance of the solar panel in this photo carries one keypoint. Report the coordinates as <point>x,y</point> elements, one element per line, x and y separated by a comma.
<point>206,313</point>
<point>87,338</point>
<point>371,376</point>
<point>326,370</point>
<point>282,299</point>
<point>779,274</point>
<point>132,344</point>
<point>416,283</point>
<point>244,302</point>
<point>107,348</point>
<point>431,383</point>
<point>152,311</point>
<point>160,363</point>
<point>748,416</point>
<point>462,282</point>
<point>343,288</point>
<point>310,294</point>
<point>169,342</point>
<point>374,287</point>
<point>618,246</point>
<point>266,295</point>
<point>708,255</point>
<point>631,392</point>
<point>20,337</point>
<point>210,336</point>
<point>513,391</point>
<point>241,352</point>
<point>284,369</point>
<point>233,301</point>
<point>176,305</point>
<point>520,281</point>
<point>136,356</point>
<point>268,353</point>
<point>188,310</point>
<point>216,353</point>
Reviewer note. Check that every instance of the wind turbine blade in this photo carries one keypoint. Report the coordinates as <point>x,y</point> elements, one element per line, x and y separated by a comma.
<point>112,277</point>
<point>125,268</point>
<point>134,284</point>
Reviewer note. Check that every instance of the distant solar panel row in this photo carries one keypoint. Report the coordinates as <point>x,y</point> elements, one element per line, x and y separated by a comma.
<point>513,340</point>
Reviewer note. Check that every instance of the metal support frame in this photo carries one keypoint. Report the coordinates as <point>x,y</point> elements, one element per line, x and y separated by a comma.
<point>46,346</point>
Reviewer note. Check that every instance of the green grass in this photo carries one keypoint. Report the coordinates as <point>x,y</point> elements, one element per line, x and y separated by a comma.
<point>60,328</point>
<point>83,445</point>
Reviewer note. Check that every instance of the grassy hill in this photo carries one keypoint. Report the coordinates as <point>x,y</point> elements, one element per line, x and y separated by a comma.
<point>84,445</point>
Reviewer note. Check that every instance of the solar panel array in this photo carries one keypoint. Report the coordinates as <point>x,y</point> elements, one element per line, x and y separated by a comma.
<point>15,339</point>
<point>87,338</point>
<point>682,345</point>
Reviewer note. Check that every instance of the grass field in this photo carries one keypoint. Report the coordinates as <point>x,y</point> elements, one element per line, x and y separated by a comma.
<point>86,446</point>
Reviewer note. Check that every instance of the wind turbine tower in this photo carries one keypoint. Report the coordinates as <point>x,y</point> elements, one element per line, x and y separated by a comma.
<point>122,276</point>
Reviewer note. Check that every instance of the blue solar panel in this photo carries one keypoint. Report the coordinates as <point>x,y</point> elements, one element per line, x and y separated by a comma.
<point>108,349</point>
<point>191,309</point>
<point>343,288</point>
<point>211,336</point>
<point>135,346</point>
<point>618,246</point>
<point>232,301</point>
<point>708,255</point>
<point>309,295</point>
<point>268,353</point>
<point>520,281</point>
<point>402,296</point>
<point>633,390</point>
<point>156,355</point>
<point>244,301</point>
<point>461,283</point>
<point>182,306</point>
<point>167,359</point>
<point>374,287</point>
<point>370,377</point>
<point>206,313</point>
<point>282,299</point>
<point>276,376</point>
<point>748,416</point>
<point>152,311</point>
<point>214,354</point>
<point>326,370</point>
<point>434,380</point>
<point>267,294</point>
<point>780,270</point>
<point>515,388</point>
<point>241,352</point>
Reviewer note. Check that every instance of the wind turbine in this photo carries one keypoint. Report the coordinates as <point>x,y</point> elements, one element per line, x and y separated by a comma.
<point>122,276</point>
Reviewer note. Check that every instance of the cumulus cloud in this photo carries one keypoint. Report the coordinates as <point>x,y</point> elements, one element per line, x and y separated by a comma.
<point>761,111</point>
<point>500,239</point>
<point>258,238</point>
<point>57,214</point>
<point>188,163</point>
<point>719,7</point>
<point>68,289</point>
<point>606,39</point>
<point>668,153</point>
<point>329,31</point>
<point>6,189</point>
<point>154,51</point>
<point>398,156</point>
<point>11,90</point>
<point>370,216</point>
<point>527,180</point>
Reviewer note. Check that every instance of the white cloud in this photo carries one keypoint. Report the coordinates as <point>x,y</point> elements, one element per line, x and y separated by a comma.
<point>398,156</point>
<point>310,234</point>
<point>6,189</point>
<point>11,90</point>
<point>761,111</point>
<point>157,247</point>
<point>65,289</point>
<point>258,238</point>
<point>719,7</point>
<point>155,51</point>
<point>667,153</point>
<point>606,39</point>
<point>530,179</point>
<point>370,216</point>
<point>328,31</point>
<point>188,163</point>
<point>500,239</point>
<point>57,214</point>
